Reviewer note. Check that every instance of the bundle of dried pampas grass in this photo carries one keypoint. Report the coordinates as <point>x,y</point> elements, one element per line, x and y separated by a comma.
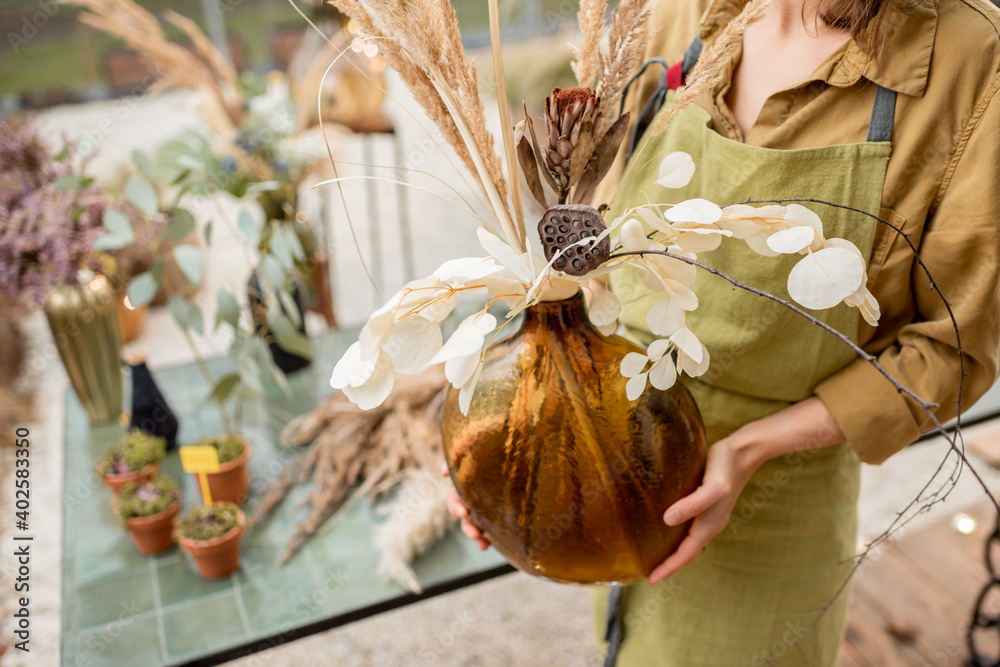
<point>417,518</point>
<point>200,68</point>
<point>373,449</point>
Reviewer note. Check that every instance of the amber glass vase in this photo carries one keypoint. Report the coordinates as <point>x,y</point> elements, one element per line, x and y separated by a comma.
<point>568,478</point>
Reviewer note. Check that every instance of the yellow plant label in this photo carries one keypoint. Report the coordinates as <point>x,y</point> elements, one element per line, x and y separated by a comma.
<point>200,459</point>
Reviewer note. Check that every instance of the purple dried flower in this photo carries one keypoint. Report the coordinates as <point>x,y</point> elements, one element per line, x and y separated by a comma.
<point>46,231</point>
<point>25,165</point>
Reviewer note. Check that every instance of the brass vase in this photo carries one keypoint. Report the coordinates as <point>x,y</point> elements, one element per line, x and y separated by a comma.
<point>84,323</point>
<point>568,478</point>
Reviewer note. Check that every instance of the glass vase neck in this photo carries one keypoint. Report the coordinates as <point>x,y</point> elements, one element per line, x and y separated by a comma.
<point>561,314</point>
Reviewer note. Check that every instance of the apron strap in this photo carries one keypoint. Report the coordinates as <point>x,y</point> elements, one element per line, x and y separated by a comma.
<point>615,630</point>
<point>883,115</point>
<point>879,127</point>
<point>672,79</point>
<point>691,56</point>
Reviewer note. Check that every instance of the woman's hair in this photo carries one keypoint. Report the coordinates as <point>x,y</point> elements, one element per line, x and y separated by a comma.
<point>867,21</point>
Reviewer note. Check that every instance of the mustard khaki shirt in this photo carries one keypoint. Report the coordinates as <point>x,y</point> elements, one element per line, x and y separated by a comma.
<point>942,188</point>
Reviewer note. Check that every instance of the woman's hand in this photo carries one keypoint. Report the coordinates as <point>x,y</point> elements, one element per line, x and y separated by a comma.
<point>731,463</point>
<point>458,509</point>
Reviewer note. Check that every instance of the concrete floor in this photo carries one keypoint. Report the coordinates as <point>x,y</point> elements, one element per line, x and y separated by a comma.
<point>514,620</point>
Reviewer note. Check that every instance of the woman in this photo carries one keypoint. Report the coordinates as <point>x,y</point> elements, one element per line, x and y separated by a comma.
<point>892,110</point>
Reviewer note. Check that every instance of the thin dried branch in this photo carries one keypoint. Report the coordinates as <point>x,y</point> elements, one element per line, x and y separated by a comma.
<point>927,406</point>
<point>708,72</point>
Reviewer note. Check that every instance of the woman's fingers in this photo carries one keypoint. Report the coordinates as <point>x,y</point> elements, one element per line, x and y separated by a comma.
<point>456,507</point>
<point>473,532</point>
<point>698,502</point>
<point>459,510</point>
<point>702,531</point>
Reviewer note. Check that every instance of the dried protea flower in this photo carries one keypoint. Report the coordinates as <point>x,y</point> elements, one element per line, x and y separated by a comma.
<point>570,118</point>
<point>574,157</point>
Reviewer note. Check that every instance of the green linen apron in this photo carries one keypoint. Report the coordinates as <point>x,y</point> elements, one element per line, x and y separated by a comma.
<point>752,597</point>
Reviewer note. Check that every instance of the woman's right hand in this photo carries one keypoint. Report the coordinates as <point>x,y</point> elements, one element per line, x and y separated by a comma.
<point>458,509</point>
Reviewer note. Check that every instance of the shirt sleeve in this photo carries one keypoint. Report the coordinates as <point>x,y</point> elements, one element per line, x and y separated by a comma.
<point>961,248</point>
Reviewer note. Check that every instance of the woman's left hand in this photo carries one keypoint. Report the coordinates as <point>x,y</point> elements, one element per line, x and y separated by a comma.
<point>731,463</point>
<point>729,467</point>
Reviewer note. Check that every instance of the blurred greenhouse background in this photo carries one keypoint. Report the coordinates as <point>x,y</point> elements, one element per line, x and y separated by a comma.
<point>47,57</point>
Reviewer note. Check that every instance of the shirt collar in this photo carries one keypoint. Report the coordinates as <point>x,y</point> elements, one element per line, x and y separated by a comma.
<point>907,51</point>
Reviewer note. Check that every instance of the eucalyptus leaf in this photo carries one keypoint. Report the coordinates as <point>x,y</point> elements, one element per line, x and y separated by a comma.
<point>195,318</point>
<point>288,337</point>
<point>207,231</point>
<point>249,228</point>
<point>224,387</point>
<point>250,377</point>
<point>142,289</point>
<point>228,308</point>
<point>142,195</point>
<point>290,308</point>
<point>293,241</point>
<point>280,249</point>
<point>118,224</point>
<point>271,271</point>
<point>144,163</point>
<point>181,224</point>
<point>106,242</point>
<point>178,307</point>
<point>157,270</point>
<point>191,261</point>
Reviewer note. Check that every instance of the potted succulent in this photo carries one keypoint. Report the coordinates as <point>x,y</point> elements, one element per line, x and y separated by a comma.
<point>212,536</point>
<point>229,484</point>
<point>148,510</point>
<point>134,458</point>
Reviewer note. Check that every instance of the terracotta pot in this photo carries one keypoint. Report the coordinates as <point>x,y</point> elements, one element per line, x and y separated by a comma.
<point>219,557</point>
<point>153,534</point>
<point>230,483</point>
<point>115,481</point>
<point>130,320</point>
<point>568,478</point>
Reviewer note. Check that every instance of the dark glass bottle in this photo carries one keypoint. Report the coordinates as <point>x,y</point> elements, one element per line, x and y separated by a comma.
<point>568,478</point>
<point>150,410</point>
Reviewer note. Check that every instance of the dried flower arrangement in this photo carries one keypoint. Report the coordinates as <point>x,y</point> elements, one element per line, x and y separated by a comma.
<point>581,138</point>
<point>419,40</point>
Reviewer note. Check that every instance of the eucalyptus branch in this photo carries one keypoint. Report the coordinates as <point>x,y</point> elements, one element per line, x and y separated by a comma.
<point>928,407</point>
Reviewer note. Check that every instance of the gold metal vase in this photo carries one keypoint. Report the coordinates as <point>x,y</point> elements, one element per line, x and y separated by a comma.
<point>568,478</point>
<point>84,323</point>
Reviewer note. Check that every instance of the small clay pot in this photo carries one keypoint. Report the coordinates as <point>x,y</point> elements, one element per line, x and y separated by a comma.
<point>115,481</point>
<point>153,534</point>
<point>219,557</point>
<point>230,483</point>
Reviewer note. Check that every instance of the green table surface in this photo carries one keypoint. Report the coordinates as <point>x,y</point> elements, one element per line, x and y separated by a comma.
<point>123,608</point>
